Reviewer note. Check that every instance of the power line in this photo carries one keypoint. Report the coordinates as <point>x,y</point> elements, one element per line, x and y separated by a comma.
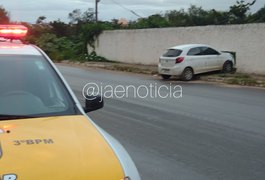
<point>122,6</point>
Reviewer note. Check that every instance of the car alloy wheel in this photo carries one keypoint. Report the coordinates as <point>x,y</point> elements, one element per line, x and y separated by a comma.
<point>187,74</point>
<point>227,67</point>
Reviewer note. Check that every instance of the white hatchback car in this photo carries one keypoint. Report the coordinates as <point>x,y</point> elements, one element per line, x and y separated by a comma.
<point>190,59</point>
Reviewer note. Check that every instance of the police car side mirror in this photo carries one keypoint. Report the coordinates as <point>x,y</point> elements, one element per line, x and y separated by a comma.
<point>93,103</point>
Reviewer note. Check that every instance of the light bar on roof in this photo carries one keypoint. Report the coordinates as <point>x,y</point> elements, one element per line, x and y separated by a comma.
<point>13,31</point>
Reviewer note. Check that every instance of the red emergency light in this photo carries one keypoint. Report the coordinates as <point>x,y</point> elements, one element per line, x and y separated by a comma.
<point>13,31</point>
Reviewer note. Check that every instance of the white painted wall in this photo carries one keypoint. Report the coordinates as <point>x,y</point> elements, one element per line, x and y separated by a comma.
<point>146,45</point>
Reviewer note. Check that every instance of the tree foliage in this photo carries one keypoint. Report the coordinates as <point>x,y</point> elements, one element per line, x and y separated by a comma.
<point>197,16</point>
<point>238,12</point>
<point>4,16</point>
<point>40,19</point>
<point>258,17</point>
<point>77,17</point>
<point>153,21</point>
<point>61,29</point>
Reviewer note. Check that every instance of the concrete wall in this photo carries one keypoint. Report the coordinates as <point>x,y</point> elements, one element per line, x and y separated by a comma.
<point>146,45</point>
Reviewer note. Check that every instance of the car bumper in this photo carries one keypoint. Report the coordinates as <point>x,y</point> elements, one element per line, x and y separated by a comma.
<point>174,71</point>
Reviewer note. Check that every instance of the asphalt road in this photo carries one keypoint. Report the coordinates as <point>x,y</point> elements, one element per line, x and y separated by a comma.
<point>212,132</point>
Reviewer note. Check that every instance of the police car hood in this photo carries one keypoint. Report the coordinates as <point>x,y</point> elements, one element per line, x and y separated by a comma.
<point>56,148</point>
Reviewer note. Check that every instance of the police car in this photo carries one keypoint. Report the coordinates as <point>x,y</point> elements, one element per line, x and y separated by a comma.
<point>45,133</point>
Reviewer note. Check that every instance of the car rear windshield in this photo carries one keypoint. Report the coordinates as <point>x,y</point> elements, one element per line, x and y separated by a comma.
<point>172,53</point>
<point>31,87</point>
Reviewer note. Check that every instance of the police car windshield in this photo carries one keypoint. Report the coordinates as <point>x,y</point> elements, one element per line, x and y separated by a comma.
<point>30,87</point>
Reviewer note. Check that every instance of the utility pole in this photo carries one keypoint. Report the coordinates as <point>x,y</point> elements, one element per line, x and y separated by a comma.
<point>96,11</point>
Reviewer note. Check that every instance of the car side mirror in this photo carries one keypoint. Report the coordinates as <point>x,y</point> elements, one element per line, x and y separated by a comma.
<point>93,103</point>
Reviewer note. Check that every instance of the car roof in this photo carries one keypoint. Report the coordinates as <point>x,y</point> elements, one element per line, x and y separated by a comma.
<point>187,46</point>
<point>9,48</point>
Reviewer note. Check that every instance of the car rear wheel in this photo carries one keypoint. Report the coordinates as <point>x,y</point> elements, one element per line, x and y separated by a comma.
<point>227,67</point>
<point>187,74</point>
<point>164,76</point>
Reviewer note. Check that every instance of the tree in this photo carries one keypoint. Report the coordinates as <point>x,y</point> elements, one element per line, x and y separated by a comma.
<point>238,12</point>
<point>153,21</point>
<point>77,17</point>
<point>115,24</point>
<point>89,34</point>
<point>88,16</point>
<point>60,29</point>
<point>217,17</point>
<point>259,16</point>
<point>157,21</point>
<point>197,16</point>
<point>177,18</point>
<point>40,19</point>
<point>4,16</point>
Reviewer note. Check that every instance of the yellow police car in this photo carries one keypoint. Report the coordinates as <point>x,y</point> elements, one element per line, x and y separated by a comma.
<point>45,133</point>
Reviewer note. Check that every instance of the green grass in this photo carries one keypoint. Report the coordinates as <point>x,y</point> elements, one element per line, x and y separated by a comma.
<point>130,68</point>
<point>238,79</point>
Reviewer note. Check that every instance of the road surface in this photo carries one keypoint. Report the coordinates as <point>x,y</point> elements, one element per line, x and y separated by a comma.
<point>211,133</point>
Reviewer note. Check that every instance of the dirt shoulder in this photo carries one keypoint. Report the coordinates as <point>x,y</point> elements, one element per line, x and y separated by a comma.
<point>240,79</point>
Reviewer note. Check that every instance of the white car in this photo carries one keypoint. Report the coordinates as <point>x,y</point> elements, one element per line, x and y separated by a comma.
<point>190,59</point>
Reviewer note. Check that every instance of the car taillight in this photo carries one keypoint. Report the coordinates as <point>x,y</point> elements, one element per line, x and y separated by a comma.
<point>13,31</point>
<point>179,59</point>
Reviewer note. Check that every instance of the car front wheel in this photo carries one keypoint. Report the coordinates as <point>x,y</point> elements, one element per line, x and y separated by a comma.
<point>227,67</point>
<point>187,74</point>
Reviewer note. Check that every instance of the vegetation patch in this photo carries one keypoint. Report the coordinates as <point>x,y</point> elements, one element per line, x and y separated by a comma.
<point>141,69</point>
<point>237,79</point>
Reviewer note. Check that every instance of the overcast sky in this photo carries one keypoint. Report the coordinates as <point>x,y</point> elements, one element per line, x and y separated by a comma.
<point>30,10</point>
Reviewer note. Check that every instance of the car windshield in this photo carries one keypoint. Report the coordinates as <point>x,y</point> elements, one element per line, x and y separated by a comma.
<point>31,88</point>
<point>172,53</point>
